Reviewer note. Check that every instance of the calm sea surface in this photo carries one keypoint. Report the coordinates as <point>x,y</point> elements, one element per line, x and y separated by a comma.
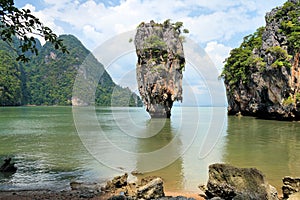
<point>53,146</point>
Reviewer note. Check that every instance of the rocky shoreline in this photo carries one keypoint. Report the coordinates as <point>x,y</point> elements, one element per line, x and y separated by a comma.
<point>225,182</point>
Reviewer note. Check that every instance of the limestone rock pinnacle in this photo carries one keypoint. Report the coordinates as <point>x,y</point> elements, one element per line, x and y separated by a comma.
<point>160,65</point>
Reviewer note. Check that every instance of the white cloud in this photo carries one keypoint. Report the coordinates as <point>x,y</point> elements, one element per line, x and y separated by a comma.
<point>92,32</point>
<point>225,20</point>
<point>46,20</point>
<point>30,7</point>
<point>217,53</point>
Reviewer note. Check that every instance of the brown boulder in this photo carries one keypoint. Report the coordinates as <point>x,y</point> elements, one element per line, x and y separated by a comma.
<point>229,182</point>
<point>291,186</point>
<point>151,188</point>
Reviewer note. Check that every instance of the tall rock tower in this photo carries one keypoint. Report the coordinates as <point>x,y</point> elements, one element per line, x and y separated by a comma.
<point>160,64</point>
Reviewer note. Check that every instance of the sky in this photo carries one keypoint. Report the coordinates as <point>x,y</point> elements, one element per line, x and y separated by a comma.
<point>216,26</point>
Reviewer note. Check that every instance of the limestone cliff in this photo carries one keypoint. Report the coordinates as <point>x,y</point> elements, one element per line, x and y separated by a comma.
<point>160,64</point>
<point>262,76</point>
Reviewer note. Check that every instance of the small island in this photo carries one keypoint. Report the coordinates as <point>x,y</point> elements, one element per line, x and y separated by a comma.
<point>262,76</point>
<point>160,65</point>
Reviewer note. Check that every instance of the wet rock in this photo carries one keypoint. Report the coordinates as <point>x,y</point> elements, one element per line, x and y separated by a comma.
<point>160,64</point>
<point>117,182</point>
<point>290,187</point>
<point>203,189</point>
<point>86,195</point>
<point>85,186</point>
<point>175,198</point>
<point>151,189</point>
<point>228,182</point>
<point>120,186</point>
<point>8,167</point>
<point>294,196</point>
<point>120,197</point>
<point>135,173</point>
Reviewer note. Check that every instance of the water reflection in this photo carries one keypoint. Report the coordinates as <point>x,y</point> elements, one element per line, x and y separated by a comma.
<point>167,137</point>
<point>207,146</point>
<point>130,141</point>
<point>197,132</point>
<point>271,146</point>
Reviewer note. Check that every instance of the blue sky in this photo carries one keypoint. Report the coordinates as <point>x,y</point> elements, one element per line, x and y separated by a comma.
<point>216,26</point>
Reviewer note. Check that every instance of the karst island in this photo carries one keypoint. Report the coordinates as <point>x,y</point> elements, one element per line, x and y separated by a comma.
<point>160,65</point>
<point>262,76</point>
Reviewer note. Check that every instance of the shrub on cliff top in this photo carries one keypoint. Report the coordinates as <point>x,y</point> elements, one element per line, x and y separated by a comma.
<point>290,24</point>
<point>238,65</point>
<point>281,55</point>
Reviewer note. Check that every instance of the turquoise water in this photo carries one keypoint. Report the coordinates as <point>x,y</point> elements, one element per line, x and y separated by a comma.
<point>51,150</point>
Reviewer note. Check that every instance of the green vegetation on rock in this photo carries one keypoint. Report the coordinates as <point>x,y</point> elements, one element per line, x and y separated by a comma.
<point>239,64</point>
<point>292,100</point>
<point>283,58</point>
<point>289,15</point>
<point>154,42</point>
<point>156,45</point>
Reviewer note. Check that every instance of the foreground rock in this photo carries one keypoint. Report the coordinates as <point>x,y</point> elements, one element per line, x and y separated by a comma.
<point>160,64</point>
<point>149,188</point>
<point>291,188</point>
<point>8,167</point>
<point>228,182</point>
<point>120,186</point>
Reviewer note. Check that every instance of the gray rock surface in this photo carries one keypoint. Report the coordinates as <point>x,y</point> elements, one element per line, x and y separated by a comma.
<point>159,69</point>
<point>120,185</point>
<point>294,196</point>
<point>8,167</point>
<point>85,186</point>
<point>291,187</point>
<point>175,198</point>
<point>228,182</point>
<point>151,189</point>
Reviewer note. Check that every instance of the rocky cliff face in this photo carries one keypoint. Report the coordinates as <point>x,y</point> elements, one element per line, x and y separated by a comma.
<point>262,76</point>
<point>160,64</point>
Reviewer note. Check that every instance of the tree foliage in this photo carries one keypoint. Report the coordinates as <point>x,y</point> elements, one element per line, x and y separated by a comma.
<point>10,80</point>
<point>22,24</point>
<point>290,24</point>
<point>283,58</point>
<point>48,79</point>
<point>155,42</point>
<point>238,65</point>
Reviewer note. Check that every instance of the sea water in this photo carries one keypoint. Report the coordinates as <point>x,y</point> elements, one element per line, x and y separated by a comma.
<point>53,146</point>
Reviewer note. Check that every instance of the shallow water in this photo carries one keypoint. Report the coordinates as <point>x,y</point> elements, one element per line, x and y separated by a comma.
<point>51,150</point>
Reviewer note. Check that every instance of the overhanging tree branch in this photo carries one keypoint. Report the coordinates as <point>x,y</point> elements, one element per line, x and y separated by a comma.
<point>21,23</point>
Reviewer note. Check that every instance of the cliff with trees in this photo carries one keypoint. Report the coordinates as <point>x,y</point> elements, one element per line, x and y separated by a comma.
<point>48,78</point>
<point>262,76</point>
